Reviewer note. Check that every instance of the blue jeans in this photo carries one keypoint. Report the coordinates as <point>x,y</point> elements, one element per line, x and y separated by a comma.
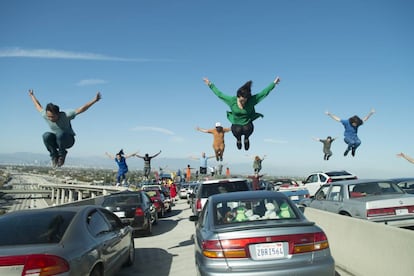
<point>57,144</point>
<point>353,142</point>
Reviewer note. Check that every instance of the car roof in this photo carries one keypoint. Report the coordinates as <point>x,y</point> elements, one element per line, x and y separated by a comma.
<point>357,181</point>
<point>246,195</point>
<point>213,181</point>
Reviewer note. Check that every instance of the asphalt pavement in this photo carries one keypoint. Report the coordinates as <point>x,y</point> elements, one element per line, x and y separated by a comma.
<point>170,248</point>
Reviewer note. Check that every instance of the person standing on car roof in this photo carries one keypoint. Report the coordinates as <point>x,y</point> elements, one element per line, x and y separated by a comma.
<point>242,108</point>
<point>218,139</point>
<point>61,137</point>
<point>326,146</point>
<point>351,126</point>
<point>406,157</point>
<point>147,162</point>
<point>120,160</point>
<point>203,162</point>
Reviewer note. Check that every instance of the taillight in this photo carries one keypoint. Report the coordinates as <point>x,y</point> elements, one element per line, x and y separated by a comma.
<point>37,264</point>
<point>198,205</point>
<point>239,248</point>
<point>380,212</point>
<point>139,212</point>
<point>400,210</point>
<point>329,180</point>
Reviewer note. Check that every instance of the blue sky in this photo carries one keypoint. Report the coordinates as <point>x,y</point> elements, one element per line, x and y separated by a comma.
<point>148,59</point>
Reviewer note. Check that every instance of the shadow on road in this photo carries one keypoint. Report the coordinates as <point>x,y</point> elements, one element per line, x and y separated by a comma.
<point>149,261</point>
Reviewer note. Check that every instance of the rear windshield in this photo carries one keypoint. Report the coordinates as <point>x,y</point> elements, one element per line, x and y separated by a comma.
<point>34,228</point>
<point>374,188</point>
<point>226,187</point>
<point>242,211</point>
<point>121,200</point>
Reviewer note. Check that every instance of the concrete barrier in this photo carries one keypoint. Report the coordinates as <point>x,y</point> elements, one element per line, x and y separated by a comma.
<point>364,248</point>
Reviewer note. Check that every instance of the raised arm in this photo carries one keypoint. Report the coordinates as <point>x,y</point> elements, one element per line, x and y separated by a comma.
<point>130,155</point>
<point>336,118</point>
<point>155,155</point>
<point>35,101</point>
<point>110,156</point>
<point>406,157</point>
<point>369,115</point>
<point>202,129</point>
<point>88,104</point>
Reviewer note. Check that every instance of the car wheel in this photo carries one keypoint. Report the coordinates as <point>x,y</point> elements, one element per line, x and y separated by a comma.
<point>96,271</point>
<point>154,218</point>
<point>148,231</point>
<point>161,214</point>
<point>131,254</point>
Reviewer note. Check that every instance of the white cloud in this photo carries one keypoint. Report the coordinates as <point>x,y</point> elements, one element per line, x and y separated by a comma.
<point>59,54</point>
<point>90,82</point>
<point>155,129</point>
<point>274,141</point>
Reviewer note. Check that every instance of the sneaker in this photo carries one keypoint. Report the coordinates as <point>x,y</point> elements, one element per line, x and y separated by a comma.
<point>61,161</point>
<point>353,152</point>
<point>246,144</point>
<point>239,145</point>
<point>54,162</point>
<point>346,152</point>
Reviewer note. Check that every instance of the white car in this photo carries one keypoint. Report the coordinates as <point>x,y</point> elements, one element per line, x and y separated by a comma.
<point>315,180</point>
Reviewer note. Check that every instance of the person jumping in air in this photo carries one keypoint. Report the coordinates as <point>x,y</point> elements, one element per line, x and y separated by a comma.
<point>218,139</point>
<point>242,108</point>
<point>61,137</point>
<point>326,146</point>
<point>351,130</point>
<point>120,160</point>
<point>406,157</point>
<point>257,163</point>
<point>147,163</point>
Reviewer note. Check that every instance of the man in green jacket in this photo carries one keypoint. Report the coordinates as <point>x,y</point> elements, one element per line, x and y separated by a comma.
<point>242,108</point>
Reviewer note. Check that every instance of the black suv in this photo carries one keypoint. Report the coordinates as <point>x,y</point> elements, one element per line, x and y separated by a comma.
<point>217,186</point>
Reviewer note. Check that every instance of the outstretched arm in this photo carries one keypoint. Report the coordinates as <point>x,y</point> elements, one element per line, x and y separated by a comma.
<point>406,157</point>
<point>88,104</point>
<point>336,118</point>
<point>202,129</point>
<point>130,155</point>
<point>155,155</point>
<point>369,115</point>
<point>35,101</point>
<point>110,156</point>
<point>316,139</point>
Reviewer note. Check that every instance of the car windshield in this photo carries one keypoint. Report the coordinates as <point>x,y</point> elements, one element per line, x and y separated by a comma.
<point>34,228</point>
<point>121,200</point>
<point>241,211</point>
<point>374,188</point>
<point>226,187</point>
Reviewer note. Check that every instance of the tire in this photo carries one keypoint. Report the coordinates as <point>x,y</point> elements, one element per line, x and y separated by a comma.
<point>131,254</point>
<point>96,271</point>
<point>161,214</point>
<point>155,218</point>
<point>148,231</point>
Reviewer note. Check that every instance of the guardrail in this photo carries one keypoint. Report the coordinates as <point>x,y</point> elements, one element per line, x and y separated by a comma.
<point>365,248</point>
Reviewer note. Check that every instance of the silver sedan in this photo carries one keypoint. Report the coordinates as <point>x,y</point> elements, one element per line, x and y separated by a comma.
<point>81,241</point>
<point>376,200</point>
<point>258,233</point>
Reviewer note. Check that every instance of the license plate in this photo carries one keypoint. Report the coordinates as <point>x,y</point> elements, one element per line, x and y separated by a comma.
<point>120,214</point>
<point>401,211</point>
<point>267,251</point>
<point>294,197</point>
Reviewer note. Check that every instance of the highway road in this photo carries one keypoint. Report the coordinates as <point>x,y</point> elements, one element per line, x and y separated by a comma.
<point>168,251</point>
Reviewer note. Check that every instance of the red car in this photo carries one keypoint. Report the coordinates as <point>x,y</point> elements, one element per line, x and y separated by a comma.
<point>158,199</point>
